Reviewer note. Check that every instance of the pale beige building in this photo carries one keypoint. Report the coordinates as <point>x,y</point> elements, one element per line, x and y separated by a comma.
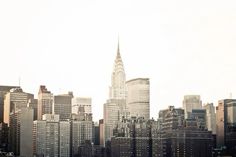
<point>138,97</point>
<point>210,117</point>
<point>45,102</point>
<point>191,102</point>
<point>14,100</point>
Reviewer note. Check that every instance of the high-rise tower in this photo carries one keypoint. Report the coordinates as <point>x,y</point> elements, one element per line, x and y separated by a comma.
<point>117,89</point>
<point>115,107</point>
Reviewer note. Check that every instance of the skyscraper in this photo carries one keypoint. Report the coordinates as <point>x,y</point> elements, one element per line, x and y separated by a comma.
<point>226,125</point>
<point>45,102</point>
<point>46,136</point>
<point>14,100</point>
<point>3,91</point>
<point>82,131</point>
<point>210,117</point>
<point>112,113</point>
<point>62,105</point>
<point>138,97</point>
<point>21,126</point>
<point>191,102</point>
<point>115,107</point>
<point>118,78</point>
<point>64,138</point>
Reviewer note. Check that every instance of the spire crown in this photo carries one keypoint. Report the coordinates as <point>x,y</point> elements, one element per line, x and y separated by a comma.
<point>118,49</point>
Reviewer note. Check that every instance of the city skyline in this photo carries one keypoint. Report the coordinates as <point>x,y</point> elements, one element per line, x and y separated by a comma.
<point>183,48</point>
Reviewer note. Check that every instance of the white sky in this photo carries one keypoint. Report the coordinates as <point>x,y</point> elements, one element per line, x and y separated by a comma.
<point>183,46</point>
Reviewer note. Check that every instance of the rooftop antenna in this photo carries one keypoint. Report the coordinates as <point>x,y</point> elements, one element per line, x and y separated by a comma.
<point>19,81</point>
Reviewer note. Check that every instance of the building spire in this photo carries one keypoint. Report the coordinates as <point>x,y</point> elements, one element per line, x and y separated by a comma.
<point>118,48</point>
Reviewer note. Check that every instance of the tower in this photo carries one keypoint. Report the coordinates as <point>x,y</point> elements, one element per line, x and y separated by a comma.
<point>138,97</point>
<point>45,101</point>
<point>115,107</point>
<point>117,89</point>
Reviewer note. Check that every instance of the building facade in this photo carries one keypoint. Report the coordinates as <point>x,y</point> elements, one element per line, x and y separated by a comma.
<point>62,105</point>
<point>3,91</point>
<point>46,136</point>
<point>21,126</point>
<point>138,97</point>
<point>210,117</point>
<point>191,102</point>
<point>178,136</point>
<point>14,100</point>
<point>86,102</point>
<point>45,102</point>
<point>82,131</point>
<point>226,125</point>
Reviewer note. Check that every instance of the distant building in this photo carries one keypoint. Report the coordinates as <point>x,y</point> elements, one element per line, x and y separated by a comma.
<point>96,134</point>
<point>45,102</point>
<point>3,91</point>
<point>62,105</point>
<point>138,97</point>
<point>33,103</point>
<point>132,137</point>
<point>174,122</point>
<point>64,138</point>
<point>113,112</point>
<point>226,125</point>
<point>85,149</point>
<point>191,102</point>
<point>200,116</point>
<point>4,129</point>
<point>82,102</point>
<point>14,100</point>
<point>81,132</point>
<point>101,132</point>
<point>115,107</point>
<point>118,78</point>
<point>20,131</point>
<point>180,137</point>
<point>210,117</point>
<point>46,136</point>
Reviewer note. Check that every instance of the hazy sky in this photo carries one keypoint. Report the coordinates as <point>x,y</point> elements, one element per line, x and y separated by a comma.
<point>183,46</point>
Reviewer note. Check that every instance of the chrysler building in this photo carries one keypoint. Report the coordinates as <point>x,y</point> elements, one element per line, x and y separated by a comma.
<point>118,88</point>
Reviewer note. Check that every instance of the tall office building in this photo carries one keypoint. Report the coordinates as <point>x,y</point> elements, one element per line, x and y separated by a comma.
<point>191,102</point>
<point>200,116</point>
<point>226,125</point>
<point>4,129</point>
<point>33,103</point>
<point>62,105</point>
<point>210,117</point>
<point>118,78</point>
<point>86,102</point>
<point>4,90</point>
<point>112,113</point>
<point>46,136</point>
<point>101,132</point>
<point>21,126</point>
<point>64,139</point>
<point>138,97</point>
<point>45,102</point>
<point>14,100</point>
<point>115,107</point>
<point>82,131</point>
